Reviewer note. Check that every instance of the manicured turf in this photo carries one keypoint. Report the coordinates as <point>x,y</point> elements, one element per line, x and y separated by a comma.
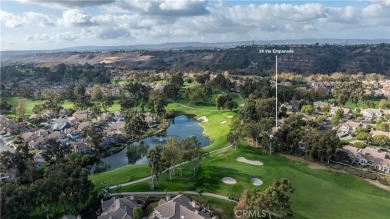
<point>121,175</point>
<point>318,193</point>
<point>27,103</point>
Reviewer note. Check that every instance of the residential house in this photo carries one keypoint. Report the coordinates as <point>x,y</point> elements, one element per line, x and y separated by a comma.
<point>27,136</point>
<point>119,116</point>
<point>34,116</point>
<point>352,126</point>
<point>368,156</point>
<point>60,125</point>
<point>118,208</point>
<point>320,105</point>
<point>116,128</point>
<point>371,113</point>
<point>63,113</point>
<point>39,161</point>
<point>81,148</point>
<point>149,119</point>
<point>41,132</point>
<point>179,207</point>
<point>346,111</point>
<point>71,217</point>
<point>73,133</point>
<point>374,133</point>
<point>105,117</point>
<point>84,126</point>
<point>38,143</point>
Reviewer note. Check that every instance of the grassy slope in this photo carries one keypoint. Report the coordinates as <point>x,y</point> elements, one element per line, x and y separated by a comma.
<point>318,193</point>
<point>121,175</point>
<point>27,103</point>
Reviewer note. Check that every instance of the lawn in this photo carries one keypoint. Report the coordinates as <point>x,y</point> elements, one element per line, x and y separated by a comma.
<point>121,175</point>
<point>27,103</point>
<point>318,193</point>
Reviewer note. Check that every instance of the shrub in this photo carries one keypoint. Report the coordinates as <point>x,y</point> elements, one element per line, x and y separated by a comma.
<point>370,176</point>
<point>336,167</point>
<point>359,144</point>
<point>383,181</point>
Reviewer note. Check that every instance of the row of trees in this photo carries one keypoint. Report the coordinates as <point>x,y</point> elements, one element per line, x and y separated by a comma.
<point>175,153</point>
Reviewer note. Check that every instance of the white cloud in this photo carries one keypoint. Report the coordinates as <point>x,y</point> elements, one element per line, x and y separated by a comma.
<point>69,3</point>
<point>40,19</point>
<point>166,7</point>
<point>75,17</point>
<point>197,20</point>
<point>11,20</point>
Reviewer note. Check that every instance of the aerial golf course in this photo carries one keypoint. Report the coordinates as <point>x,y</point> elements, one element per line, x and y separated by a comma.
<point>318,193</point>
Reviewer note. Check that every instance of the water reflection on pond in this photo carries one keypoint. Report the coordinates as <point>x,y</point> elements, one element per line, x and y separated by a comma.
<point>181,127</point>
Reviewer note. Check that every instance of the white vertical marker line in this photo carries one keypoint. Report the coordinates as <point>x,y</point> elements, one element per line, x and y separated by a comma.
<point>276,85</point>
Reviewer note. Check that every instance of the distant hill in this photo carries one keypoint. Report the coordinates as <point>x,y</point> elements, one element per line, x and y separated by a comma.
<point>312,56</point>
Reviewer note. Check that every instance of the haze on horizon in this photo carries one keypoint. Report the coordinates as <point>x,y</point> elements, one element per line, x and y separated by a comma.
<point>46,24</point>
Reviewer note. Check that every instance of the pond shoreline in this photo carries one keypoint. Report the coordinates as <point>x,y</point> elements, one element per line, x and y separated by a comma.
<point>181,126</point>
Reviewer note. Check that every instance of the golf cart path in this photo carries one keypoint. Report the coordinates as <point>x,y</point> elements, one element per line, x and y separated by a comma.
<point>150,177</point>
<point>175,193</point>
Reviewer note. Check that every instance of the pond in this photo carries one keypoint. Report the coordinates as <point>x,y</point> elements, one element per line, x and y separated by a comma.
<point>181,127</point>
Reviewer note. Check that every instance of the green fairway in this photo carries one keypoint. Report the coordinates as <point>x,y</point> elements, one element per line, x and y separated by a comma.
<point>27,103</point>
<point>67,104</point>
<point>318,193</point>
<point>121,175</point>
<point>212,129</point>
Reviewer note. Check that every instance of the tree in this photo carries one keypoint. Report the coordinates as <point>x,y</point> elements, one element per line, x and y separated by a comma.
<point>96,108</point>
<point>274,199</point>
<point>155,163</point>
<point>126,103</point>
<point>330,142</point>
<point>207,93</point>
<point>230,105</point>
<point>192,152</point>
<point>108,101</point>
<point>308,109</point>
<point>96,134</point>
<point>77,188</point>
<point>335,120</point>
<point>5,106</point>
<point>362,134</point>
<point>138,213</point>
<point>380,140</point>
<point>135,125</point>
<point>168,156</point>
<point>55,152</point>
<point>383,104</point>
<point>178,148</point>
<point>289,134</point>
<point>79,91</point>
<point>340,112</point>
<point>20,110</point>
<point>96,92</point>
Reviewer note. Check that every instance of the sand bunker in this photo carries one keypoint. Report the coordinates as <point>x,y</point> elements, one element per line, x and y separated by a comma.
<point>222,122</point>
<point>256,181</point>
<point>251,162</point>
<point>228,180</point>
<point>229,117</point>
<point>203,119</point>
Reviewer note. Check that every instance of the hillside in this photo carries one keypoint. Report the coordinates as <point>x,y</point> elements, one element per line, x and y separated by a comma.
<point>307,59</point>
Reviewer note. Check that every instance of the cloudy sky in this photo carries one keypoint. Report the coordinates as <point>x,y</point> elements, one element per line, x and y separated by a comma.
<point>52,24</point>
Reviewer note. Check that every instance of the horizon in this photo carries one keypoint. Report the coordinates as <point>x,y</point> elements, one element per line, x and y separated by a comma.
<point>324,41</point>
<point>43,25</point>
